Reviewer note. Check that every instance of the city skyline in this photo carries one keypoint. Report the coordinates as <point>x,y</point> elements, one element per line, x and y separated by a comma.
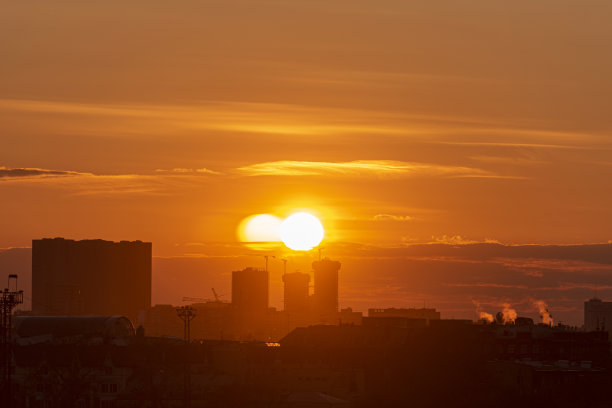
<point>305,203</point>
<point>408,129</point>
<point>465,281</point>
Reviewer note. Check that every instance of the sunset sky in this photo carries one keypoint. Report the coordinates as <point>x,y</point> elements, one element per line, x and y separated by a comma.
<point>396,122</point>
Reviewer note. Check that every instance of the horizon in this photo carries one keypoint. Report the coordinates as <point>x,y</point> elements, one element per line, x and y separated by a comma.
<point>515,276</point>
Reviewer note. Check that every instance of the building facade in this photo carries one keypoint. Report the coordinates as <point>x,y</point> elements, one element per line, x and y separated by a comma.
<point>90,277</point>
<point>597,315</point>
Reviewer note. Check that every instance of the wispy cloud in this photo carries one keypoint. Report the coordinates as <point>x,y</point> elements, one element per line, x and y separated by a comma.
<point>486,285</point>
<point>29,173</point>
<point>84,183</point>
<point>391,217</point>
<point>459,240</point>
<point>375,168</point>
<point>510,160</point>
<point>304,120</point>
<point>520,144</point>
<point>188,171</point>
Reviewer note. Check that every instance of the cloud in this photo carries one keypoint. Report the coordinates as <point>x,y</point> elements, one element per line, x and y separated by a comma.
<point>459,240</point>
<point>510,160</point>
<point>527,145</point>
<point>283,119</point>
<point>486,285</point>
<point>28,173</point>
<point>181,170</point>
<point>391,217</point>
<point>373,168</point>
<point>83,183</point>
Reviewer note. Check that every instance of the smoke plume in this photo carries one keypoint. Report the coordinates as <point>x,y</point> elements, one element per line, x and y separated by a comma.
<point>547,318</point>
<point>486,316</point>
<point>509,314</point>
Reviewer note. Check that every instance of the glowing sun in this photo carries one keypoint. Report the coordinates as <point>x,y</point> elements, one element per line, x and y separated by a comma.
<point>260,228</point>
<point>301,231</point>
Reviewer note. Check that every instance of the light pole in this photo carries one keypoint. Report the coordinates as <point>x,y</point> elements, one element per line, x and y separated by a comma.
<point>8,300</point>
<point>186,314</point>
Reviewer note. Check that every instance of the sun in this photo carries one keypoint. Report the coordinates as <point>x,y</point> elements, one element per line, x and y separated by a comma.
<point>301,231</point>
<point>260,228</point>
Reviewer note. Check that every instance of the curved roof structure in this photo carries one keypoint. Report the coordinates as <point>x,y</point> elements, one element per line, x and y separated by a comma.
<point>69,326</point>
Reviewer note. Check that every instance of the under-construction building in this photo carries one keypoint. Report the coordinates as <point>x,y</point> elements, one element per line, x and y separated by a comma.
<point>296,292</point>
<point>90,277</point>
<point>326,287</point>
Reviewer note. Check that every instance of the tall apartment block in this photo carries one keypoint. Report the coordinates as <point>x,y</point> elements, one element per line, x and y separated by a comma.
<point>597,315</point>
<point>90,277</point>
<point>250,290</point>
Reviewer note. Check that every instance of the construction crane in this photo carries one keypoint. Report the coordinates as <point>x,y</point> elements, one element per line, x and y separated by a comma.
<point>268,256</point>
<point>215,294</point>
<point>284,266</point>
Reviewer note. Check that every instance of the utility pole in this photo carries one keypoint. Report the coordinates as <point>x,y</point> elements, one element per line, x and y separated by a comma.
<point>8,300</point>
<point>186,314</point>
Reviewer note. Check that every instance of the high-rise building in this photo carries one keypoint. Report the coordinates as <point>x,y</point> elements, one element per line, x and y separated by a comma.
<point>250,290</point>
<point>597,315</point>
<point>296,292</point>
<point>326,286</point>
<point>90,277</point>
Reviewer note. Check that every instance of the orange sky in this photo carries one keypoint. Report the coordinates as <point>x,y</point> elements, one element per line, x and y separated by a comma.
<point>398,122</point>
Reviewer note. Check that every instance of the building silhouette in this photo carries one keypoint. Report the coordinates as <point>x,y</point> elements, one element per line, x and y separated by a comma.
<point>250,303</point>
<point>326,288</point>
<point>90,277</point>
<point>296,293</point>
<point>250,290</point>
<point>597,315</point>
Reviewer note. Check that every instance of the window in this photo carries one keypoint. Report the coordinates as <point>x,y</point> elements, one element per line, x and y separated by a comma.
<point>113,388</point>
<point>104,388</point>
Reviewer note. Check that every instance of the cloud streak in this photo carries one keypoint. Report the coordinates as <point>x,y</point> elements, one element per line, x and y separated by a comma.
<point>83,183</point>
<point>391,217</point>
<point>361,168</point>
<point>181,170</point>
<point>29,173</point>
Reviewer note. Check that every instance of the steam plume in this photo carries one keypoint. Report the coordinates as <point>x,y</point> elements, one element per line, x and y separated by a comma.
<point>547,318</point>
<point>509,314</point>
<point>486,316</point>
